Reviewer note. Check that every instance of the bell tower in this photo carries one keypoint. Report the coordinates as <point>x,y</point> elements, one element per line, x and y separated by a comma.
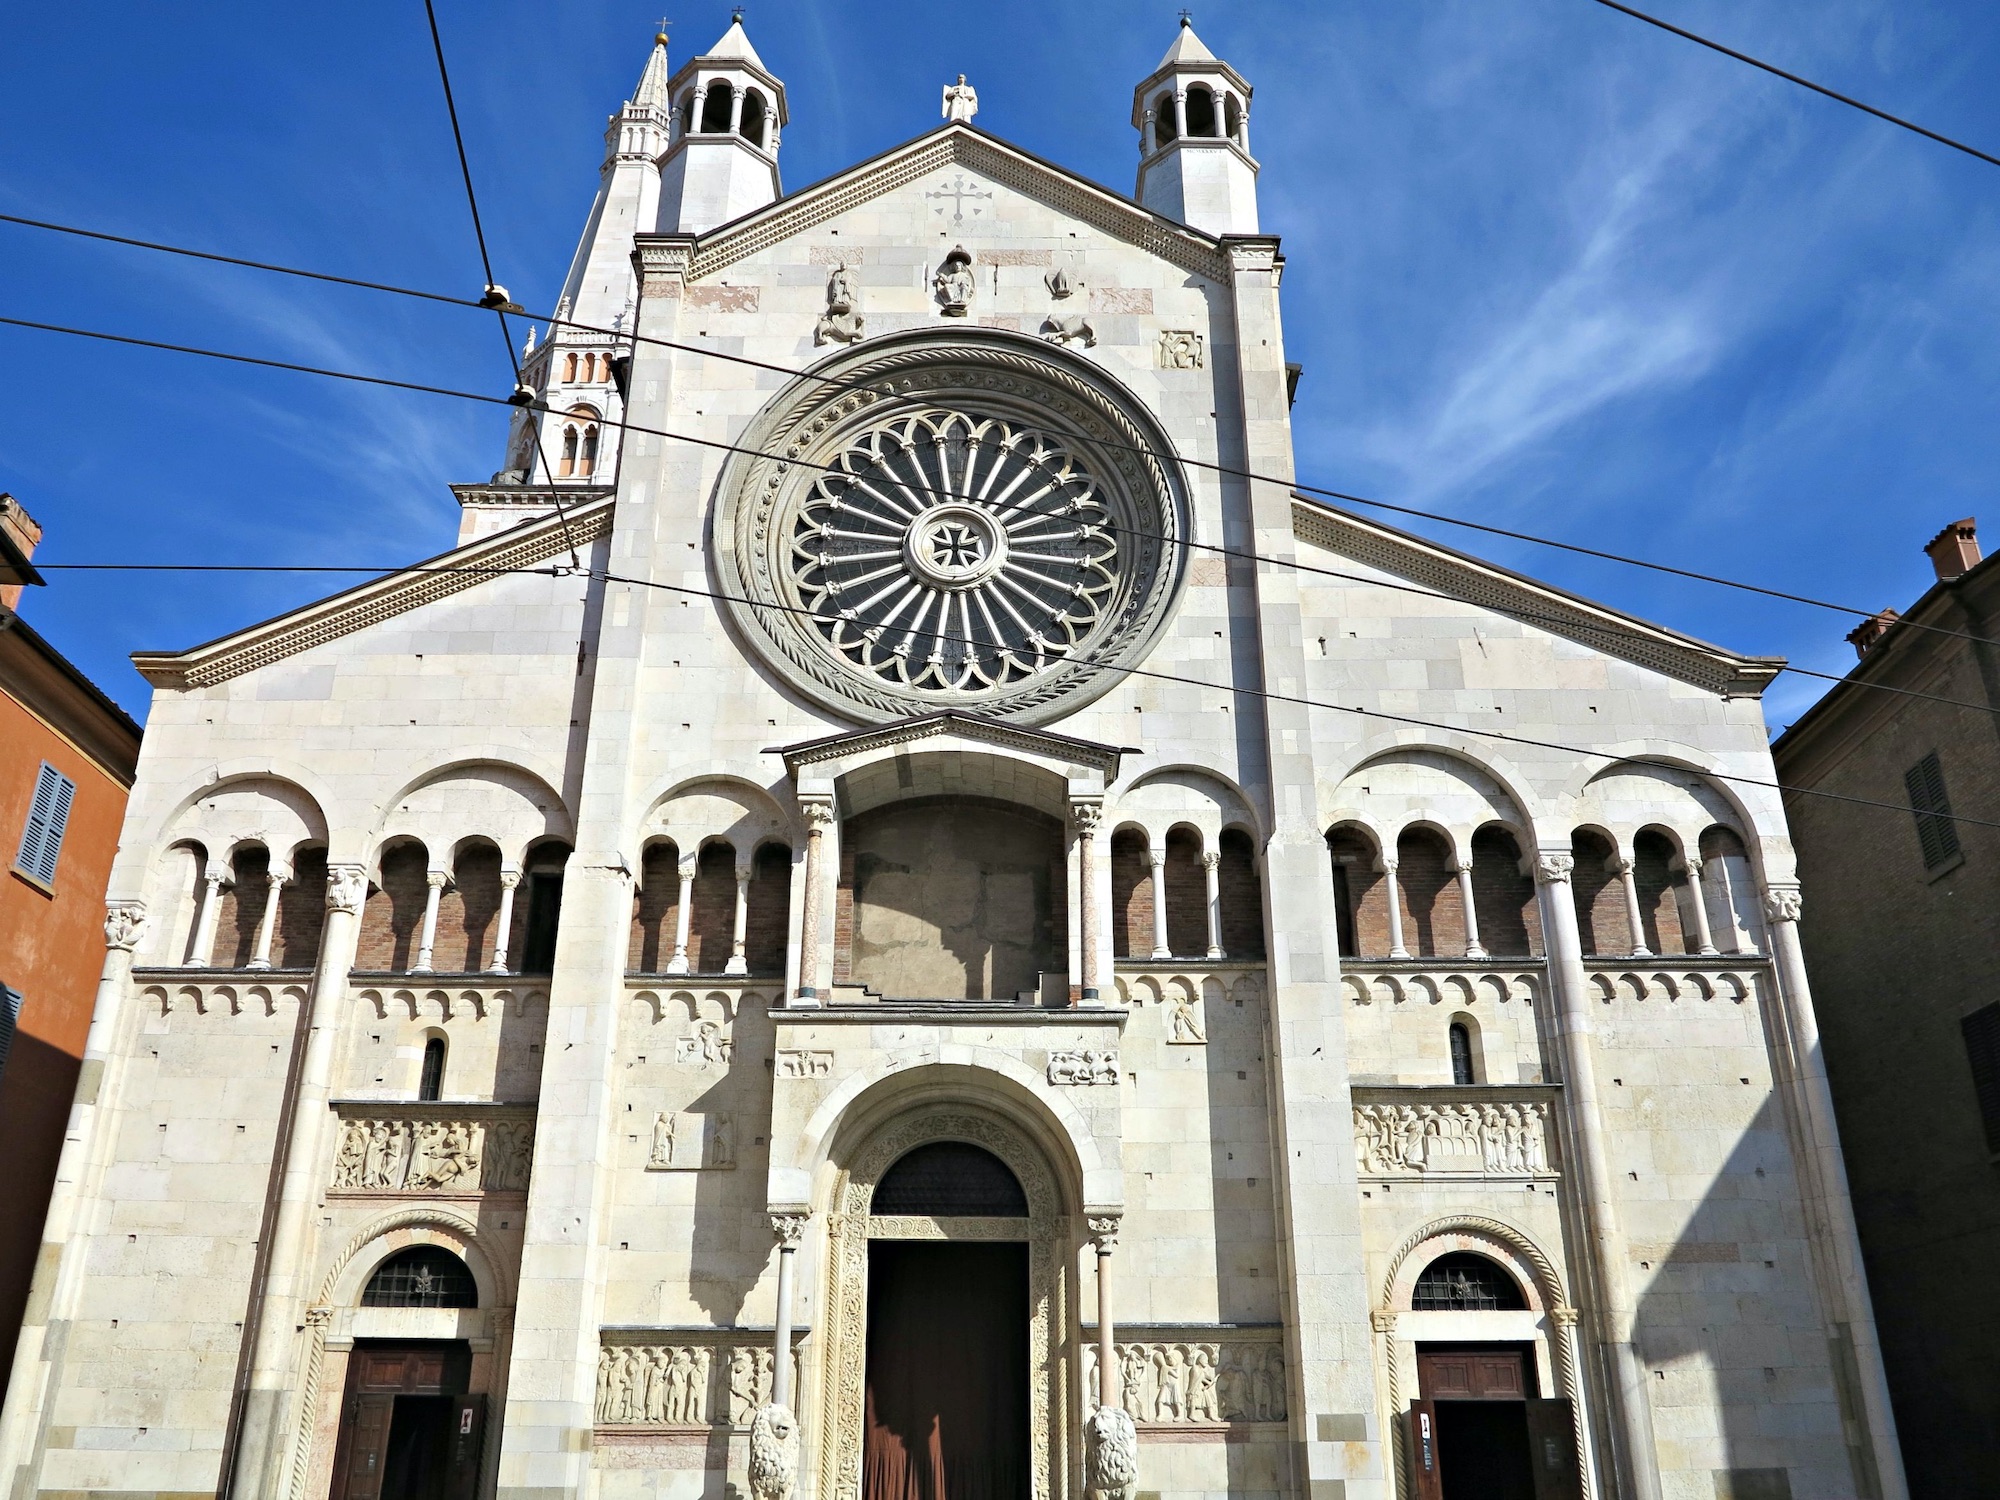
<point>722,159</point>
<point>1193,119</point>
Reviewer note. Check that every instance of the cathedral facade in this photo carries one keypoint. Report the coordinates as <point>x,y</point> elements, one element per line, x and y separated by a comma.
<point>902,919</point>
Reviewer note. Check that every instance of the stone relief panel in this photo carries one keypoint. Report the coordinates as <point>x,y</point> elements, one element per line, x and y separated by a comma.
<point>793,1062</point>
<point>1503,1139</point>
<point>691,1142</point>
<point>1180,349</point>
<point>1189,1380</point>
<point>412,1149</point>
<point>1084,1066</point>
<point>706,1043</point>
<point>685,1380</point>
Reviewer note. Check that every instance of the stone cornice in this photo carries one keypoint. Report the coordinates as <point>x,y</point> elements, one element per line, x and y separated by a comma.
<point>372,602</point>
<point>957,145</point>
<point>1040,742</point>
<point>1539,605</point>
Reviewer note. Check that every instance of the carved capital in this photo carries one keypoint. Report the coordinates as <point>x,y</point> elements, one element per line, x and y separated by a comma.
<point>509,877</point>
<point>1462,863</point>
<point>280,874</point>
<point>1387,864</point>
<point>1783,903</point>
<point>1211,860</point>
<point>1104,1232</point>
<point>124,925</point>
<point>346,887</point>
<point>218,874</point>
<point>1554,869</point>
<point>688,866</point>
<point>818,814</point>
<point>437,880</point>
<point>1383,1320</point>
<point>789,1229</point>
<point>1563,1317</point>
<point>318,1317</point>
<point>1692,864</point>
<point>1085,816</point>
<point>1619,865</point>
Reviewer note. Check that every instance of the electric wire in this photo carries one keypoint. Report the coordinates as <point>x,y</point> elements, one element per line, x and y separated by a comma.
<point>1804,83</point>
<point>840,382</point>
<point>554,492</point>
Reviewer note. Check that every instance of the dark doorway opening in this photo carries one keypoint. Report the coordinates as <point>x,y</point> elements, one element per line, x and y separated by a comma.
<point>408,1428</point>
<point>1480,1431</point>
<point>947,1411</point>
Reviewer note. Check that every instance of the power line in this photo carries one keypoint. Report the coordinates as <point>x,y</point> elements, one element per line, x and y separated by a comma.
<point>387,569</point>
<point>1804,83</point>
<point>839,382</point>
<point>737,448</point>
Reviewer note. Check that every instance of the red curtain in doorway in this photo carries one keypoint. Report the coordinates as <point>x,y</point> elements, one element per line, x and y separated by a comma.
<point>947,1372</point>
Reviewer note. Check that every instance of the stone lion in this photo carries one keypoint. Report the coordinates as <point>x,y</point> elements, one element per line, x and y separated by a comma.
<point>1111,1455</point>
<point>774,1453</point>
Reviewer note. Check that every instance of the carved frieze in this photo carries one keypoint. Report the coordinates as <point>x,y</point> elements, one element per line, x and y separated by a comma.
<point>403,1150</point>
<point>794,1062</point>
<point>1083,1066</point>
<point>1480,1139</point>
<point>685,1380</point>
<point>1196,1381</point>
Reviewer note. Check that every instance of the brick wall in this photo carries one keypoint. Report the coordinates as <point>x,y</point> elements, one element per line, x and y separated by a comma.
<point>393,916</point>
<point>655,910</point>
<point>301,912</point>
<point>767,910</point>
<point>1242,897</point>
<point>1600,898</point>
<point>712,911</point>
<point>1433,913</point>
<point>242,908</point>
<point>1131,895</point>
<point>1503,897</point>
<point>467,912</point>
<point>1187,895</point>
<point>1657,881</point>
<point>843,918</point>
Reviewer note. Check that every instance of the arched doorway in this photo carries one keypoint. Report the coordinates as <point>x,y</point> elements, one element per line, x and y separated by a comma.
<point>951,1293</point>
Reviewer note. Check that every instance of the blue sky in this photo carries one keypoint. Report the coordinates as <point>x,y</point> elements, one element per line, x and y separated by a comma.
<point>1548,268</point>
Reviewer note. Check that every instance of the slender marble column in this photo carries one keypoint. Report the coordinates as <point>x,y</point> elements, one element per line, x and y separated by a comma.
<point>736,128</point>
<point>1698,894</point>
<point>739,962</point>
<point>1158,857</point>
<point>434,883</point>
<point>1813,1102</point>
<point>1631,1407</point>
<point>1630,880</point>
<point>683,914</point>
<point>510,879</point>
<point>1396,948</point>
<point>262,1452</point>
<point>1104,1234</point>
<point>1180,114</point>
<point>819,817</point>
<point>1211,868</point>
<point>267,925</point>
<point>201,952</point>
<point>1472,948</point>
<point>790,1229</point>
<point>1084,817</point>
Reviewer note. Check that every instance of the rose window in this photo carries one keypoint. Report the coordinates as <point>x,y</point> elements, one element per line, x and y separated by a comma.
<point>949,553</point>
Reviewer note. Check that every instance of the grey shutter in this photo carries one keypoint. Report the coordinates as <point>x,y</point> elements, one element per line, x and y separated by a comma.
<point>48,817</point>
<point>1982,1050</point>
<point>1936,835</point>
<point>10,1017</point>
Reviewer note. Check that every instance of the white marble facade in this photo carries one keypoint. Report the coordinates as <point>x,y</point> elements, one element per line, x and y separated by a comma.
<point>657,1171</point>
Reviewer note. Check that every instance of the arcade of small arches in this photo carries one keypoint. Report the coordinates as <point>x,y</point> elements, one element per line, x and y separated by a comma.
<point>1436,893</point>
<point>717,107</point>
<point>1198,112</point>
<point>578,453</point>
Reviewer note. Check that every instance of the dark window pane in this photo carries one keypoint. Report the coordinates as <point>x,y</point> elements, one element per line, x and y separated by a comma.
<point>950,1178</point>
<point>1466,1283</point>
<point>422,1276</point>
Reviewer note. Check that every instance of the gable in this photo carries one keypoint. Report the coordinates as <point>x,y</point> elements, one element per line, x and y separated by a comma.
<point>1468,580</point>
<point>956,145</point>
<point>375,601</point>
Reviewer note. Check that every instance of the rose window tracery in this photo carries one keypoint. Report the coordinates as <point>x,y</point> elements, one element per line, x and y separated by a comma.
<point>954,553</point>
<point>975,523</point>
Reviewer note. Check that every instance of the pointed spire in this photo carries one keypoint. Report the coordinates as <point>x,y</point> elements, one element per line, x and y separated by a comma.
<point>652,90</point>
<point>1187,47</point>
<point>735,44</point>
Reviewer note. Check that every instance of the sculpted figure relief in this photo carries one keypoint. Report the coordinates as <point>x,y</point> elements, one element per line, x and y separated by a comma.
<point>1111,1455</point>
<point>433,1156</point>
<point>1492,1140</point>
<point>1088,1065</point>
<point>954,283</point>
<point>1169,1384</point>
<point>774,1453</point>
<point>842,321</point>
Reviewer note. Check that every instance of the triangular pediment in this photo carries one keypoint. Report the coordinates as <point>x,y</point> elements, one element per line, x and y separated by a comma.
<point>453,572</point>
<point>965,146</point>
<point>956,726</point>
<point>1440,570</point>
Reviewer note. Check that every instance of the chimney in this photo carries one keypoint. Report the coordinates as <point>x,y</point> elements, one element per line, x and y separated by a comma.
<point>1954,550</point>
<point>1871,630</point>
<point>19,532</point>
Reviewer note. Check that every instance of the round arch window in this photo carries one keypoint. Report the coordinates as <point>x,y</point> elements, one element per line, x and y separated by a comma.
<point>948,1179</point>
<point>1465,1282</point>
<point>422,1276</point>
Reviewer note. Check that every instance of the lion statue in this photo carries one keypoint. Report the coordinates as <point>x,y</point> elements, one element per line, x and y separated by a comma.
<point>774,1452</point>
<point>1111,1455</point>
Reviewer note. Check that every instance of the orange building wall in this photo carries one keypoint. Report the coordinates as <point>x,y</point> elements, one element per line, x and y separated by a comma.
<point>51,950</point>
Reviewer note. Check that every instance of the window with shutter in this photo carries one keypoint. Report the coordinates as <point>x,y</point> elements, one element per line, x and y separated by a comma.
<point>1982,1050</point>
<point>1936,834</point>
<point>10,1018</point>
<point>48,816</point>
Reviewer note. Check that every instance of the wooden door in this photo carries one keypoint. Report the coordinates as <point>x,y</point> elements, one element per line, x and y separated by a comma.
<point>1552,1441</point>
<point>1472,1374</point>
<point>468,1439</point>
<point>364,1441</point>
<point>1425,1468</point>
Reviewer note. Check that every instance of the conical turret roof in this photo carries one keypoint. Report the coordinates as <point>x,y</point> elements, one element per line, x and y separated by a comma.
<point>735,43</point>
<point>1187,48</point>
<point>652,89</point>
